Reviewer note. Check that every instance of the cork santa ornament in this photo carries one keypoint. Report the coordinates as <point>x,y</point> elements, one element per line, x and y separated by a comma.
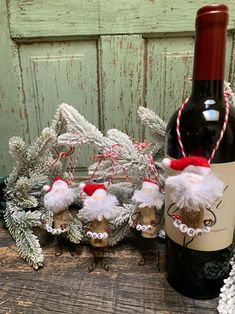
<point>149,199</point>
<point>57,199</point>
<point>194,190</point>
<point>99,206</point>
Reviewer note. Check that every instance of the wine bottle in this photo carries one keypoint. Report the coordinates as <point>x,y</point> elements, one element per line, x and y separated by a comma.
<point>196,267</point>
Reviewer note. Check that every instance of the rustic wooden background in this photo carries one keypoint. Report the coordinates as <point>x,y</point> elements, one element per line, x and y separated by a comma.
<point>64,284</point>
<point>105,58</point>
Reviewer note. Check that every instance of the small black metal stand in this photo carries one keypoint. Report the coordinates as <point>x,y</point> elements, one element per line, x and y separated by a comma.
<point>148,247</point>
<point>62,243</point>
<point>98,256</point>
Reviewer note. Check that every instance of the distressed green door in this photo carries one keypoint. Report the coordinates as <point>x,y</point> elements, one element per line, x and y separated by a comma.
<point>105,58</point>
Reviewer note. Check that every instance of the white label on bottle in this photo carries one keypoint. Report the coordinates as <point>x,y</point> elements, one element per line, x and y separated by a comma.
<point>220,234</point>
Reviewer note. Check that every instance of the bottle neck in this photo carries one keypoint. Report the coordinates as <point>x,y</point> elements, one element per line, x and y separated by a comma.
<point>209,53</point>
<point>208,89</point>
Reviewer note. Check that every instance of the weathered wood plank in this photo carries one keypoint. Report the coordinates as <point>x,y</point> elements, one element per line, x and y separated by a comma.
<point>169,69</point>
<point>58,72</point>
<point>121,82</point>
<point>95,17</point>
<point>64,284</point>
<point>13,118</point>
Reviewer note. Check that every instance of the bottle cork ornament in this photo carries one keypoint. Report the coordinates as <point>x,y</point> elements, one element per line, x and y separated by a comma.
<point>149,199</point>
<point>57,199</point>
<point>61,219</point>
<point>99,207</point>
<point>99,237</point>
<point>191,218</point>
<point>193,191</point>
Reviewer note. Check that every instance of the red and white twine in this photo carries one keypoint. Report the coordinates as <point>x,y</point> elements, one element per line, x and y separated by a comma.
<point>112,154</point>
<point>178,127</point>
<point>151,166</point>
<point>226,97</point>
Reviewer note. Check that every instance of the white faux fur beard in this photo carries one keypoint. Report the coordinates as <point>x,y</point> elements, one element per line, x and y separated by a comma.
<point>195,190</point>
<point>59,198</point>
<point>100,208</point>
<point>148,198</point>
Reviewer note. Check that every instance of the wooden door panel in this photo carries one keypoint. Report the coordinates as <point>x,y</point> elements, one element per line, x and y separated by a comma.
<point>170,62</point>
<point>59,72</point>
<point>170,68</point>
<point>122,75</point>
<point>103,57</point>
<point>11,108</point>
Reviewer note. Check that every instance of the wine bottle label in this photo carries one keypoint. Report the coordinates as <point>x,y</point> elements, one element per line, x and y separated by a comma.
<point>210,229</point>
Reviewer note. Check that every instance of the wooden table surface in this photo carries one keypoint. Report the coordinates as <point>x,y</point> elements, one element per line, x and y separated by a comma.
<point>64,284</point>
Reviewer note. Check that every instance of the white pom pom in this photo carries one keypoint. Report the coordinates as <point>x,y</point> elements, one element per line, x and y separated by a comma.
<point>166,162</point>
<point>81,186</point>
<point>46,188</point>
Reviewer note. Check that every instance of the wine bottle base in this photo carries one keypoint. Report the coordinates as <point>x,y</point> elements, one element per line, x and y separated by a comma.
<point>196,274</point>
<point>192,294</point>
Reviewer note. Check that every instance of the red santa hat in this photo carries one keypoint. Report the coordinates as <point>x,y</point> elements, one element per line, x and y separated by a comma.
<point>93,189</point>
<point>150,184</point>
<point>58,180</point>
<point>184,162</point>
<point>196,187</point>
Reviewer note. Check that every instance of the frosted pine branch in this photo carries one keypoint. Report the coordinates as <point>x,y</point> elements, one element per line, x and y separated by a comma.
<point>17,148</point>
<point>27,219</point>
<point>41,144</point>
<point>37,180</point>
<point>121,227</point>
<point>136,167</point>
<point>71,139</point>
<point>78,125</point>
<point>123,191</point>
<point>119,153</point>
<point>120,222</point>
<point>23,191</point>
<point>58,123</point>
<point>127,161</point>
<point>19,224</point>
<point>122,215</point>
<point>127,148</point>
<point>150,119</point>
<point>75,234</point>
<point>29,247</point>
<point>118,234</point>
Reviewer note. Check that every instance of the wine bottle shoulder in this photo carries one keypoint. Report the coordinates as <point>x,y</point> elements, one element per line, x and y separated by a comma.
<point>200,127</point>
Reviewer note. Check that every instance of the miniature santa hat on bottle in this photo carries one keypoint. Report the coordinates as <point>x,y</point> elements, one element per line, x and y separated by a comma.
<point>149,195</point>
<point>196,187</point>
<point>199,164</point>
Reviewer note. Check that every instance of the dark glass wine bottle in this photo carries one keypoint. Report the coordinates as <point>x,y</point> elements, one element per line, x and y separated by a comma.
<point>199,273</point>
